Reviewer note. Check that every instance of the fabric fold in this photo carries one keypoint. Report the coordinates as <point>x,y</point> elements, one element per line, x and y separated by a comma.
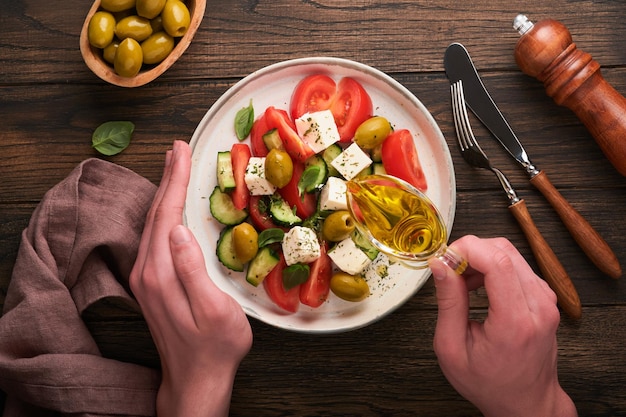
<point>79,248</point>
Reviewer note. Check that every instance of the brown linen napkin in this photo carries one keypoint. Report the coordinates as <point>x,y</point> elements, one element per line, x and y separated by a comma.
<point>79,247</point>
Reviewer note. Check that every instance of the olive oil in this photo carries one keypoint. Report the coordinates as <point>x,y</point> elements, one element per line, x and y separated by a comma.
<point>399,219</point>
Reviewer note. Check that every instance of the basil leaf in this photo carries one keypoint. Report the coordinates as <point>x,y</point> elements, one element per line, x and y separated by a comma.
<point>111,138</point>
<point>244,119</point>
<point>294,275</point>
<point>269,236</point>
<point>308,178</point>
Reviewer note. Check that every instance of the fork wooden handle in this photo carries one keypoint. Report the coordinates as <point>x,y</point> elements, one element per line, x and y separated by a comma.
<point>551,268</point>
<point>583,233</point>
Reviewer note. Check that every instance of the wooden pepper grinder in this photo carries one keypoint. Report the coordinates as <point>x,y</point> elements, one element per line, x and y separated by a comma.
<point>572,78</point>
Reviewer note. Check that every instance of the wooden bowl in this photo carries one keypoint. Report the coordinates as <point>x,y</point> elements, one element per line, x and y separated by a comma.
<point>94,60</point>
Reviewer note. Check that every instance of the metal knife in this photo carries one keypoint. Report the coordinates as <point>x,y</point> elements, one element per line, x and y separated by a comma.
<point>459,66</point>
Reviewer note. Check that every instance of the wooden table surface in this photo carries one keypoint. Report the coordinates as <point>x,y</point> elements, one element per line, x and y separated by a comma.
<point>50,103</point>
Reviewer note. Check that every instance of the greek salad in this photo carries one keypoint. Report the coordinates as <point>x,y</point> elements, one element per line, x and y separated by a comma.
<point>281,191</point>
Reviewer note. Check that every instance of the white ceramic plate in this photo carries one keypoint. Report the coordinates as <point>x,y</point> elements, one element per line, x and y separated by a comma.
<point>273,85</point>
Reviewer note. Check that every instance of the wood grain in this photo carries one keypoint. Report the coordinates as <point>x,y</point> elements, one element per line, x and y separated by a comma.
<point>50,103</point>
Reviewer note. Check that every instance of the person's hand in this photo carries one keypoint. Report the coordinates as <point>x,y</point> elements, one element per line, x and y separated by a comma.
<point>506,365</point>
<point>201,333</point>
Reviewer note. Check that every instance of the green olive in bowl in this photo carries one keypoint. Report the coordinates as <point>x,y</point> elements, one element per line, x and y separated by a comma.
<point>157,47</point>
<point>94,56</point>
<point>128,58</point>
<point>101,29</point>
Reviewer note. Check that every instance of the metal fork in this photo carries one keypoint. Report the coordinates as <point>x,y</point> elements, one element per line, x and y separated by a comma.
<point>550,266</point>
<point>470,150</point>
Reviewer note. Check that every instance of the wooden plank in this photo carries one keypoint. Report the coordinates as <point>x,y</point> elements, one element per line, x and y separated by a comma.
<point>402,36</point>
<point>406,380</point>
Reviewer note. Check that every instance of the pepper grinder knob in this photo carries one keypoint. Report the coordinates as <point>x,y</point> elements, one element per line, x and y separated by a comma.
<point>572,78</point>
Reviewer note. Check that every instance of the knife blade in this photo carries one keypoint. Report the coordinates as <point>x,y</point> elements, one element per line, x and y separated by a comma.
<point>459,66</point>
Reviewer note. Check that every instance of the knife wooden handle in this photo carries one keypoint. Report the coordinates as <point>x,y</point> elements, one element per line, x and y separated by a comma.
<point>551,268</point>
<point>586,236</point>
<point>573,79</point>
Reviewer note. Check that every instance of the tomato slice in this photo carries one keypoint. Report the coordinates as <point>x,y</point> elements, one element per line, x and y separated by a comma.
<point>316,289</point>
<point>294,145</point>
<point>261,220</point>
<point>347,100</point>
<point>306,204</point>
<point>288,300</point>
<point>351,107</point>
<point>314,93</point>
<point>240,155</point>
<point>259,128</point>
<point>400,159</point>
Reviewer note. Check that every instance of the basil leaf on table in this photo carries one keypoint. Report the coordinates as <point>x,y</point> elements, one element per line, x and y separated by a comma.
<point>244,119</point>
<point>294,275</point>
<point>111,138</point>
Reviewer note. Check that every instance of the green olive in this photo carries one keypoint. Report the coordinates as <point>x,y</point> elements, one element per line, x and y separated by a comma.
<point>349,287</point>
<point>278,167</point>
<point>245,242</point>
<point>176,18</point>
<point>117,5</point>
<point>149,8</point>
<point>338,226</point>
<point>157,47</point>
<point>108,53</point>
<point>372,132</point>
<point>128,58</point>
<point>101,29</point>
<point>135,27</point>
<point>157,24</point>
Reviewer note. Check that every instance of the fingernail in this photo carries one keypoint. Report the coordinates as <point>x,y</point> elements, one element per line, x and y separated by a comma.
<point>168,158</point>
<point>180,235</point>
<point>438,269</point>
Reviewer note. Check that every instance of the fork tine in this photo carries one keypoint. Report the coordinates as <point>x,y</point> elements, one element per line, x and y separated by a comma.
<point>462,123</point>
<point>470,150</point>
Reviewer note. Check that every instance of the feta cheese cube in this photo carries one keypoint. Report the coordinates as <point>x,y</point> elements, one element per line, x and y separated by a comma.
<point>300,245</point>
<point>255,177</point>
<point>318,129</point>
<point>351,161</point>
<point>333,195</point>
<point>348,257</point>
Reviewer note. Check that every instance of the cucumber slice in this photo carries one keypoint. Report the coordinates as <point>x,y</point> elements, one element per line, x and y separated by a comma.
<point>272,140</point>
<point>328,155</point>
<point>281,213</point>
<point>226,252</point>
<point>223,209</point>
<point>315,174</point>
<point>262,265</point>
<point>225,176</point>
<point>378,168</point>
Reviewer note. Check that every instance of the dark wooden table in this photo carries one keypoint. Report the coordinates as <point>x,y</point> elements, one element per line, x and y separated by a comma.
<point>50,103</point>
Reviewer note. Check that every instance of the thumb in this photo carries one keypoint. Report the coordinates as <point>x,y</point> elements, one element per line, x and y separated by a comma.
<point>453,306</point>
